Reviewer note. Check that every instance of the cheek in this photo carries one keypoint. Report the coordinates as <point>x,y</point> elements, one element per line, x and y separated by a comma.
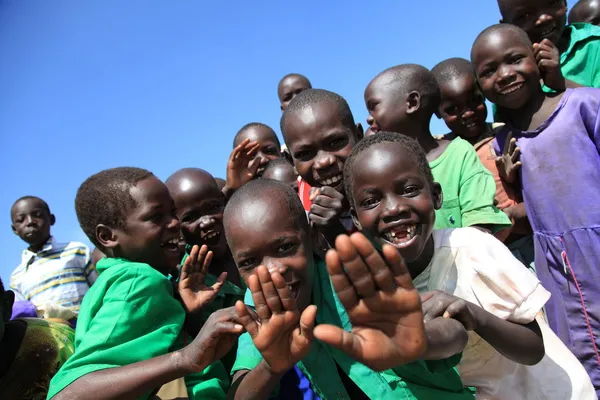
<point>303,167</point>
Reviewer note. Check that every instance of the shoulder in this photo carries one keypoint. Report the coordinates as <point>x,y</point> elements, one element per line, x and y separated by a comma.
<point>457,238</point>
<point>586,95</point>
<point>584,34</point>
<point>125,279</point>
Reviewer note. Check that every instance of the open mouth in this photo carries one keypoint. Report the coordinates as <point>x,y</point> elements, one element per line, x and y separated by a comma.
<point>548,31</point>
<point>333,181</point>
<point>511,89</point>
<point>211,238</point>
<point>470,125</point>
<point>294,288</point>
<point>402,236</point>
<point>171,245</point>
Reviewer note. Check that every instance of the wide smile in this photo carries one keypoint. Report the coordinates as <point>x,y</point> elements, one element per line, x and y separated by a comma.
<point>171,246</point>
<point>548,31</point>
<point>211,238</point>
<point>402,236</point>
<point>332,181</point>
<point>512,88</point>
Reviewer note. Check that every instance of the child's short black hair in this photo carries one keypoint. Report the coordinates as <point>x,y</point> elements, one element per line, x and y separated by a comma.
<point>2,290</point>
<point>236,139</point>
<point>522,35</point>
<point>293,75</point>
<point>260,188</point>
<point>277,162</point>
<point>452,69</point>
<point>104,198</point>
<point>312,97</point>
<point>44,204</point>
<point>412,147</point>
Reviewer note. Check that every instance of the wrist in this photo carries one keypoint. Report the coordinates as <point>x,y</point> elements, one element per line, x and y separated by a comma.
<point>266,368</point>
<point>184,362</point>
<point>481,317</point>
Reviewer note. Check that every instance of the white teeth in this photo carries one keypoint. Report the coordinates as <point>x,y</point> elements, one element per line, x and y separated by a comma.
<point>211,235</point>
<point>331,181</point>
<point>174,241</point>
<point>512,90</point>
<point>410,234</point>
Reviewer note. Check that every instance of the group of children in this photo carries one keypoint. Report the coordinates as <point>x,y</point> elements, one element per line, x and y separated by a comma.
<point>387,264</point>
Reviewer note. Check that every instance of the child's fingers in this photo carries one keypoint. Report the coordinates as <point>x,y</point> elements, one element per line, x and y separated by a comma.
<point>268,289</point>
<point>200,264</point>
<point>327,202</point>
<point>314,193</point>
<point>245,318</point>
<point>222,277</point>
<point>340,339</point>
<point>356,269</point>
<point>380,271</point>
<point>228,327</point>
<point>507,142</point>
<point>331,192</point>
<point>455,308</point>
<point>511,146</point>
<point>216,287</point>
<point>284,292</point>
<point>515,155</point>
<point>398,266</point>
<point>307,321</point>
<point>262,309</point>
<point>321,211</point>
<point>189,263</point>
<point>339,280</point>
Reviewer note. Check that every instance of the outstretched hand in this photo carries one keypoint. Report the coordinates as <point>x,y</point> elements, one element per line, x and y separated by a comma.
<point>241,167</point>
<point>381,301</point>
<point>508,163</point>
<point>281,334</point>
<point>194,292</point>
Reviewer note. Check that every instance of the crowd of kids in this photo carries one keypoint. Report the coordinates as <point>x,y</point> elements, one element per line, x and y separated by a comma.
<point>343,264</point>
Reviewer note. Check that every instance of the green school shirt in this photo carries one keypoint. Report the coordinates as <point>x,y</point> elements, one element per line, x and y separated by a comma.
<point>418,380</point>
<point>130,315</point>
<point>468,189</point>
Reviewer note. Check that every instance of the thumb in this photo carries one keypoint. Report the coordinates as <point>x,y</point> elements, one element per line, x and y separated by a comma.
<point>307,321</point>
<point>340,339</point>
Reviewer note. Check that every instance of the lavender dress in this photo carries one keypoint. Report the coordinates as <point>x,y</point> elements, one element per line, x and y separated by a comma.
<point>560,178</point>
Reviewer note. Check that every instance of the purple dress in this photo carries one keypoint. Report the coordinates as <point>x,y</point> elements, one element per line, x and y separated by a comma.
<point>560,178</point>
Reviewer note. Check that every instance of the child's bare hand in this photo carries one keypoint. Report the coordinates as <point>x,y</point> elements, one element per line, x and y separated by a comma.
<point>240,168</point>
<point>193,291</point>
<point>441,304</point>
<point>508,163</point>
<point>327,205</point>
<point>279,332</point>
<point>216,338</point>
<point>381,301</point>
<point>547,57</point>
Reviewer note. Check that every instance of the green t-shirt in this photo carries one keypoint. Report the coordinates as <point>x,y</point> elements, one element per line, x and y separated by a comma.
<point>418,380</point>
<point>130,315</point>
<point>468,189</point>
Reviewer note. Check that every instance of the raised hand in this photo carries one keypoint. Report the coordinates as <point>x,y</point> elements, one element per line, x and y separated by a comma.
<point>441,304</point>
<point>508,163</point>
<point>194,293</point>
<point>381,301</point>
<point>241,167</point>
<point>547,57</point>
<point>281,334</point>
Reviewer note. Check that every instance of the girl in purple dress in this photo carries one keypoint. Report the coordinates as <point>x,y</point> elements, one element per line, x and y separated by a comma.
<point>558,136</point>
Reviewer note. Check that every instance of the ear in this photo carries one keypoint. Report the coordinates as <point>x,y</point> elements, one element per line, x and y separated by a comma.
<point>413,102</point>
<point>107,237</point>
<point>355,219</point>
<point>7,304</point>
<point>359,132</point>
<point>438,196</point>
<point>52,219</point>
<point>13,229</point>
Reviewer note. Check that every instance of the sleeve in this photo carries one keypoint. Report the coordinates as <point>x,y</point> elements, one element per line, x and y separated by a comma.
<point>138,319</point>
<point>212,383</point>
<point>476,195</point>
<point>14,286</point>
<point>500,284</point>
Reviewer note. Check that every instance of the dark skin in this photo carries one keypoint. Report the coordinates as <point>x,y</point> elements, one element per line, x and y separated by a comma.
<point>31,221</point>
<point>268,146</point>
<point>11,332</point>
<point>319,141</point>
<point>586,11</point>
<point>391,194</point>
<point>284,326</point>
<point>284,173</point>
<point>289,87</point>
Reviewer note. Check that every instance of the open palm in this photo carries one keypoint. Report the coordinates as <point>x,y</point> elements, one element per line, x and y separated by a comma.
<point>240,169</point>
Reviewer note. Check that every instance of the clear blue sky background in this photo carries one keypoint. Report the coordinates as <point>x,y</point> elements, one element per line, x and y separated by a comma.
<point>87,85</point>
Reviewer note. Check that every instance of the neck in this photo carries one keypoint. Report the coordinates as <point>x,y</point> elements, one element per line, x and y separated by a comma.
<point>521,118</point>
<point>35,248</point>
<point>417,266</point>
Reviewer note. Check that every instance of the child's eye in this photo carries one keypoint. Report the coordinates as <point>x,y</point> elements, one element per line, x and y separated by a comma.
<point>247,264</point>
<point>411,190</point>
<point>270,150</point>
<point>517,59</point>
<point>156,217</point>
<point>553,2</point>
<point>303,155</point>
<point>369,203</point>
<point>338,143</point>
<point>285,248</point>
<point>451,110</point>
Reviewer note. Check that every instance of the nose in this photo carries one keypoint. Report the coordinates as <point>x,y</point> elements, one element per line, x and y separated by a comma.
<point>543,19</point>
<point>30,220</point>
<point>173,224</point>
<point>206,221</point>
<point>370,120</point>
<point>505,72</point>
<point>394,209</point>
<point>324,160</point>
<point>263,160</point>
<point>275,265</point>
<point>468,114</point>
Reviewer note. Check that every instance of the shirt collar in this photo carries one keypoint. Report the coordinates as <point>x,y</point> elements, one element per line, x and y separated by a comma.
<point>27,254</point>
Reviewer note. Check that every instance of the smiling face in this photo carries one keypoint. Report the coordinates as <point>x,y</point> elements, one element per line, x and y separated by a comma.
<point>289,87</point>
<point>506,69</point>
<point>269,147</point>
<point>541,19</point>
<point>394,202</point>
<point>463,107</point>
<point>387,105</point>
<point>319,141</point>
<point>31,221</point>
<point>263,232</point>
<point>151,233</point>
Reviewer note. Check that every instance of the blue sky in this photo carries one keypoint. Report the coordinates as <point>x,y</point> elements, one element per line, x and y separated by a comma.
<point>87,85</point>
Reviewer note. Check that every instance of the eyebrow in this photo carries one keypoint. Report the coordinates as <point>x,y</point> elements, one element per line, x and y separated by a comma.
<point>276,241</point>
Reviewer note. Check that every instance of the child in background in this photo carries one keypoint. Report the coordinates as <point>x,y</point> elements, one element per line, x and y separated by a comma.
<point>585,11</point>
<point>289,86</point>
<point>319,131</point>
<point>478,282</point>
<point>128,332</point>
<point>281,170</point>
<point>269,147</point>
<point>558,136</point>
<point>464,112</point>
<point>403,99</point>
<point>365,343</point>
<point>53,276</point>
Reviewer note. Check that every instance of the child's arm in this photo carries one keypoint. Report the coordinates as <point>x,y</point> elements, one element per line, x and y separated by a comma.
<point>281,334</point>
<point>327,205</point>
<point>446,337</point>
<point>520,343</point>
<point>387,318</point>
<point>240,169</point>
<point>131,381</point>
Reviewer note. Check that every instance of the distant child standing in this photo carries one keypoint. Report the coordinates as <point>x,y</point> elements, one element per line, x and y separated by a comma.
<point>289,86</point>
<point>54,276</point>
<point>559,139</point>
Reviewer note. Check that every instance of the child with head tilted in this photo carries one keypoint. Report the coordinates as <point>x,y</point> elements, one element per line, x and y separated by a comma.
<point>281,170</point>
<point>367,345</point>
<point>403,99</point>
<point>127,342</point>
<point>267,145</point>
<point>462,274</point>
<point>585,11</point>
<point>558,136</point>
<point>53,276</point>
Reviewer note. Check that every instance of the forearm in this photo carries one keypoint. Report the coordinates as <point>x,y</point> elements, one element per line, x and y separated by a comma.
<point>128,382</point>
<point>522,344</point>
<point>256,384</point>
<point>445,338</point>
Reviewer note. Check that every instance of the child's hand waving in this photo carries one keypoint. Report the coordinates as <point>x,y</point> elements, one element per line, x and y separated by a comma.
<point>508,163</point>
<point>547,57</point>
<point>279,332</point>
<point>381,301</point>
<point>240,168</point>
<point>194,293</point>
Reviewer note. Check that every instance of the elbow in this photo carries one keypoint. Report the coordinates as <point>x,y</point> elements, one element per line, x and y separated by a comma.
<point>535,354</point>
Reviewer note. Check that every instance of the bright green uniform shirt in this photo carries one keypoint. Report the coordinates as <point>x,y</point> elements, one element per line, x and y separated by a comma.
<point>468,189</point>
<point>130,315</point>
<point>418,380</point>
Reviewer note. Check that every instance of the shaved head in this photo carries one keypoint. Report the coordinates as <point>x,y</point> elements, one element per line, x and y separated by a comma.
<point>587,11</point>
<point>187,179</point>
<point>452,69</point>
<point>508,29</point>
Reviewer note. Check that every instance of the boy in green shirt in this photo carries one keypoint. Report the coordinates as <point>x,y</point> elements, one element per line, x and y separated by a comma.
<point>127,342</point>
<point>367,344</point>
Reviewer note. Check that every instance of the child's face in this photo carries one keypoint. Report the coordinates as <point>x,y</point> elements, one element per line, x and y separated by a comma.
<point>269,147</point>
<point>199,207</point>
<point>463,107</point>
<point>31,221</point>
<point>319,143</point>
<point>283,173</point>
<point>263,232</point>
<point>151,232</point>
<point>541,19</point>
<point>289,88</point>
<point>393,201</point>
<point>506,69</point>
<point>588,12</point>
<point>386,105</point>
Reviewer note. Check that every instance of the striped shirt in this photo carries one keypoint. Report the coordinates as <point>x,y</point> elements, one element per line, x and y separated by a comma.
<point>56,275</point>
